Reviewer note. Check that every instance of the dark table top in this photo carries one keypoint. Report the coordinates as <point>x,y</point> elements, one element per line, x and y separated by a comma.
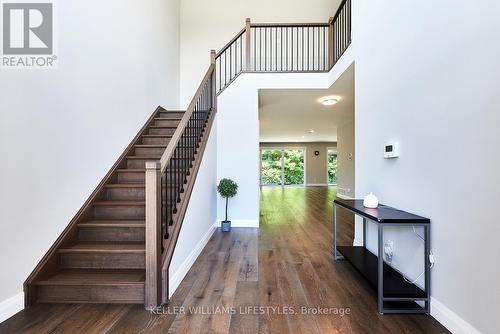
<point>383,214</point>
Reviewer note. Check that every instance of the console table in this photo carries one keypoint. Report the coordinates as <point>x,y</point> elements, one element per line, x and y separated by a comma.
<point>395,295</point>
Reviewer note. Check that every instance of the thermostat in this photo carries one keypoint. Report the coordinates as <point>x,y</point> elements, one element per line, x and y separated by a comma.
<point>391,150</point>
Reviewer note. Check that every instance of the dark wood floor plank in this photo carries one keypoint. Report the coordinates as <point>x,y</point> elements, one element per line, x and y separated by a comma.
<point>92,319</point>
<point>246,318</point>
<point>39,319</point>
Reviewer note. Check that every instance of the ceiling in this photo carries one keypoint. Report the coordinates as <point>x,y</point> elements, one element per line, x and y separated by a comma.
<point>287,115</point>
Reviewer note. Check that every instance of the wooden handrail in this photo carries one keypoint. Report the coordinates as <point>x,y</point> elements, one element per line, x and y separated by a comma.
<point>159,196</point>
<point>167,154</point>
<point>278,25</point>
<point>225,47</point>
<point>339,10</point>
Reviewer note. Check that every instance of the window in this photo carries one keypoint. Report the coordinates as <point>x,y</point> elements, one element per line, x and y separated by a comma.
<point>282,166</point>
<point>271,169</point>
<point>332,166</point>
<point>293,164</point>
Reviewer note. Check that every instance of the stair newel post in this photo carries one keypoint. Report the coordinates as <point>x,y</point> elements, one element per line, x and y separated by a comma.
<point>152,297</point>
<point>330,43</point>
<point>247,44</point>
<point>213,56</point>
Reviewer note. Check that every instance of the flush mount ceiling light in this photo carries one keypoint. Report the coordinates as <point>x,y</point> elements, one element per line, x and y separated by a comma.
<point>329,100</point>
<point>310,131</point>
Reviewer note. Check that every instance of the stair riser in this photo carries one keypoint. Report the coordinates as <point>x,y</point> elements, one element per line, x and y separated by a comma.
<point>168,114</point>
<point>161,131</point>
<point>111,234</point>
<point>165,122</point>
<point>125,177</point>
<point>136,163</point>
<point>150,151</point>
<point>103,260</point>
<point>119,212</point>
<point>123,293</point>
<point>132,194</point>
<point>155,140</point>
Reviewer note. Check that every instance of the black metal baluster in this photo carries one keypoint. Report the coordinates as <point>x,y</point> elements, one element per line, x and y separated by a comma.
<point>302,39</point>
<point>265,49</point>
<point>325,48</point>
<point>350,20</point>
<point>291,47</point>
<point>286,48</point>
<point>254,36</point>
<point>308,48</point>
<point>281,48</point>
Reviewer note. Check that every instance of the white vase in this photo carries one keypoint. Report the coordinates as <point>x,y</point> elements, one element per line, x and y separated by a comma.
<point>370,201</point>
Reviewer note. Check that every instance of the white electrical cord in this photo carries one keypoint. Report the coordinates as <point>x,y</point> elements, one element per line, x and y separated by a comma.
<point>423,272</point>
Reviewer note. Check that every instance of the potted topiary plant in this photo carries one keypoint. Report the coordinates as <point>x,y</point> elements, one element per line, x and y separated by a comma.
<point>227,188</point>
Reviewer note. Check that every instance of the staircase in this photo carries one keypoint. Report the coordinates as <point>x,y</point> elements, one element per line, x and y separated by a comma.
<point>103,258</point>
<point>118,247</point>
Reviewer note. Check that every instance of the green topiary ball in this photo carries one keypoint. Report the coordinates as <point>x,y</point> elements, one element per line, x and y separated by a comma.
<point>227,188</point>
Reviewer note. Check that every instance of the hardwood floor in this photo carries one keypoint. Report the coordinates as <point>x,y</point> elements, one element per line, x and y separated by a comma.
<point>251,281</point>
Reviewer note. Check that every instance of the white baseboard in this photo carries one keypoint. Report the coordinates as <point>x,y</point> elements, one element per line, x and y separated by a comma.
<point>177,277</point>
<point>241,223</point>
<point>339,195</point>
<point>11,306</point>
<point>449,319</point>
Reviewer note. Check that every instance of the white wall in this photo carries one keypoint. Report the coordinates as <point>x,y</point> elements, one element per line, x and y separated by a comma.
<point>210,24</point>
<point>346,159</point>
<point>427,75</point>
<point>201,214</point>
<point>61,130</point>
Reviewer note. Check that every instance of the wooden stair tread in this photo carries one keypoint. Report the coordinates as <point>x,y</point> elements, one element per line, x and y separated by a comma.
<point>161,127</point>
<point>120,203</point>
<point>96,277</point>
<point>168,118</point>
<point>126,185</point>
<point>113,223</point>
<point>132,170</point>
<point>157,158</point>
<point>136,170</point>
<point>150,146</point>
<point>143,157</point>
<point>157,136</point>
<point>105,247</point>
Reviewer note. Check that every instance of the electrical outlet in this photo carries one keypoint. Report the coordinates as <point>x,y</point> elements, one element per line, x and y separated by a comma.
<point>389,250</point>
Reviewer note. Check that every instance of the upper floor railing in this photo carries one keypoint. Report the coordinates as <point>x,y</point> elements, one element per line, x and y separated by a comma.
<point>285,47</point>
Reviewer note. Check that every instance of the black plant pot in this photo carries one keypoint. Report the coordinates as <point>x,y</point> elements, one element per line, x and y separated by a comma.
<point>226,225</point>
